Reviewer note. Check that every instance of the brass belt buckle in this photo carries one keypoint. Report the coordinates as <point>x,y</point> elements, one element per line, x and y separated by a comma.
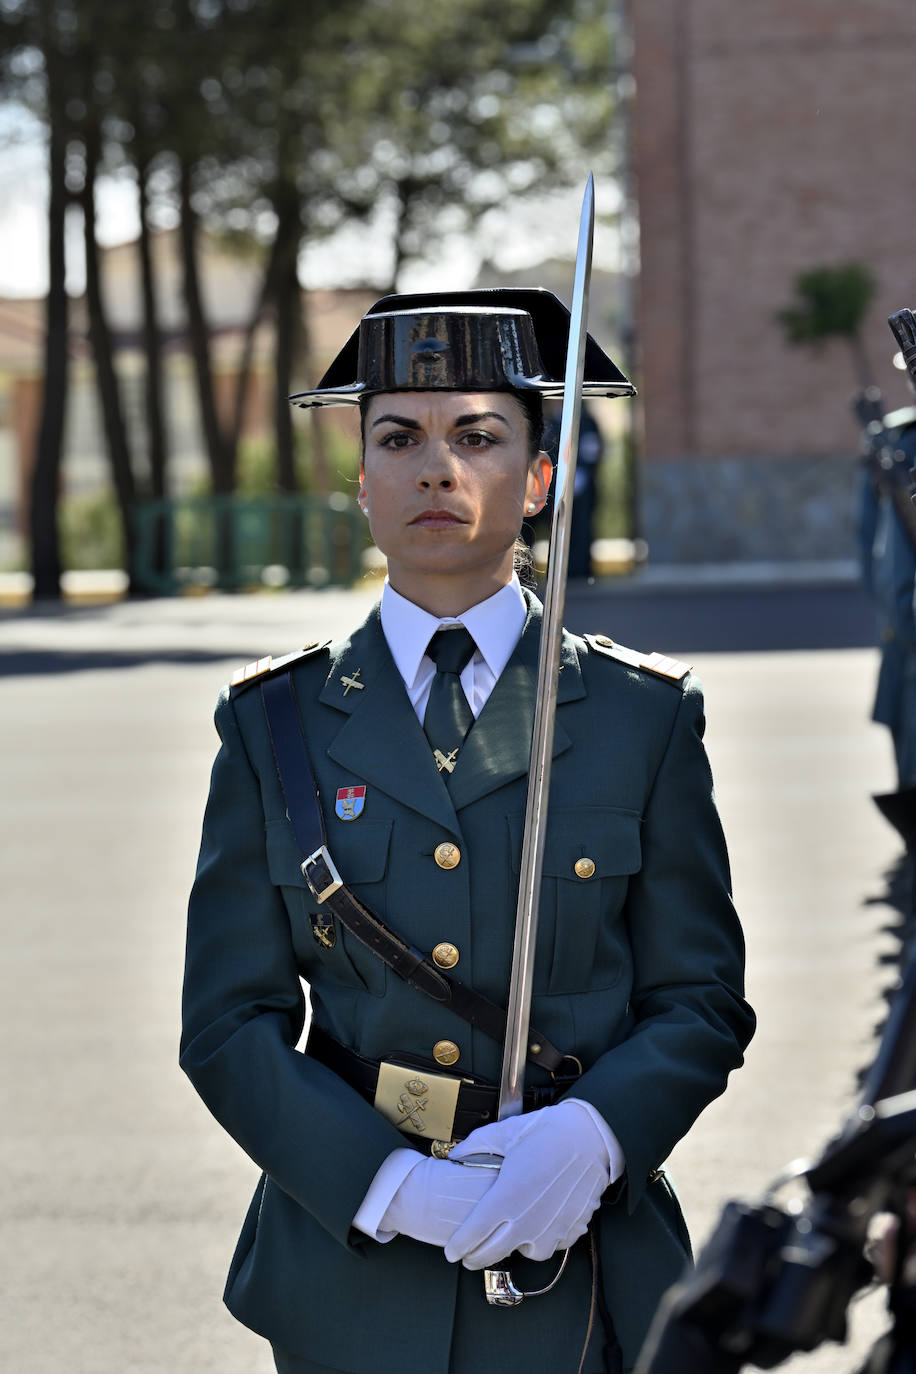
<point>418,1103</point>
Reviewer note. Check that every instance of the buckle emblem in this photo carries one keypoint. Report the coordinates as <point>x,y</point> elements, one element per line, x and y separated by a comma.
<point>417,1106</point>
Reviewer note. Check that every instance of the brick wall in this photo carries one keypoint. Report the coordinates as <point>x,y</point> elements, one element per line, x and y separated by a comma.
<point>770,136</point>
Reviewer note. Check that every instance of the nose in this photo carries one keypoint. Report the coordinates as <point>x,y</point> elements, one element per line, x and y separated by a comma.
<point>439,472</point>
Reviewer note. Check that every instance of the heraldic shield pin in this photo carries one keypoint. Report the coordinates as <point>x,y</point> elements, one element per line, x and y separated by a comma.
<point>350,802</point>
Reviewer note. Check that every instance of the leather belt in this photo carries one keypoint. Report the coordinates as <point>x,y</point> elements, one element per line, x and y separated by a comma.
<point>475,1105</point>
<point>318,869</point>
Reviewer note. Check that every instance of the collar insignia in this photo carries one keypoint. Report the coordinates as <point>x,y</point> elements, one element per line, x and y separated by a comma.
<point>350,682</point>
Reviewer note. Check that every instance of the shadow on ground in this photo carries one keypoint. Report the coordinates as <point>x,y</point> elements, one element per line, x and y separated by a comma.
<point>39,662</point>
<point>729,619</point>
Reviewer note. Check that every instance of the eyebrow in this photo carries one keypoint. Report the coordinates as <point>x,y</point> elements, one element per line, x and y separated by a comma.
<point>459,423</point>
<point>396,420</point>
<point>474,419</point>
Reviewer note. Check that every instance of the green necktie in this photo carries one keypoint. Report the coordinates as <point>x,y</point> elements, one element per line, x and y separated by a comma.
<point>448,716</point>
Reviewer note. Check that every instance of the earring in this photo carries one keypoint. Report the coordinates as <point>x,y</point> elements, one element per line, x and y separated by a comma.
<point>531,508</point>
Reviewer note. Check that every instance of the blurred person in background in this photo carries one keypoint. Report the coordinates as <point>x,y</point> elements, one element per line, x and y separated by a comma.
<point>887,541</point>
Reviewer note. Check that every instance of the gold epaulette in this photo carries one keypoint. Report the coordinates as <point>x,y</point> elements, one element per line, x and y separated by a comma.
<point>263,668</point>
<point>671,669</point>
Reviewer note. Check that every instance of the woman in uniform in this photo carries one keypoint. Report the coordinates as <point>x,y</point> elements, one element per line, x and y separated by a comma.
<point>394,763</point>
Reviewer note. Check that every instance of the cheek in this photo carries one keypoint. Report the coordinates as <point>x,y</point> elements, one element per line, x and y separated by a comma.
<point>374,487</point>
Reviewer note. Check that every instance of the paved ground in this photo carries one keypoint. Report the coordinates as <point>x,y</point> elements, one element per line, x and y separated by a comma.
<point>121,1200</point>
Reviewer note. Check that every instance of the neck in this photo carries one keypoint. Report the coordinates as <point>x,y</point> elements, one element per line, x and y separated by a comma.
<point>448,597</point>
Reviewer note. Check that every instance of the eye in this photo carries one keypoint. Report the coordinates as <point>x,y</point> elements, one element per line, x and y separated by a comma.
<point>478,438</point>
<point>397,439</point>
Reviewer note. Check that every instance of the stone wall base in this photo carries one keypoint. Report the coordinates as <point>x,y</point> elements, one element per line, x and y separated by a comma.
<point>711,510</point>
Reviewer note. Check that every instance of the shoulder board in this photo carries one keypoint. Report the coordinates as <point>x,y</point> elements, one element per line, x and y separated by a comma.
<point>263,668</point>
<point>672,669</point>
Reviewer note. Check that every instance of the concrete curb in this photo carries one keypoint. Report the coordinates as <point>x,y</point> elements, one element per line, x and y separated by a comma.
<point>110,584</point>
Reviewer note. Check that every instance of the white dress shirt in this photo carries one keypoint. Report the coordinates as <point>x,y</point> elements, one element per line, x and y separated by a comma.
<point>496,626</point>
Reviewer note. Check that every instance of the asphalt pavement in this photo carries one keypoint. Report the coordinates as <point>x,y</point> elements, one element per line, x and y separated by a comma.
<point>121,1198</point>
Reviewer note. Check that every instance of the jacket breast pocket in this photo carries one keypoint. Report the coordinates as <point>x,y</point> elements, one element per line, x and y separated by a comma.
<point>324,948</point>
<point>589,855</point>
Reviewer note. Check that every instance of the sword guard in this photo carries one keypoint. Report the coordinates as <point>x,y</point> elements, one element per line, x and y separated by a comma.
<point>480,1161</point>
<point>500,1291</point>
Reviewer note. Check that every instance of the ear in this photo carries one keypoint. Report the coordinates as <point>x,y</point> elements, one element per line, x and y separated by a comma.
<point>361,495</point>
<point>537,483</point>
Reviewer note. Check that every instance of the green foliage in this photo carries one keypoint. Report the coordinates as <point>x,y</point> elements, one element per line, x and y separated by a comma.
<point>829,301</point>
<point>456,109</point>
<point>256,474</point>
<point>271,124</point>
<point>425,116</point>
<point>91,533</point>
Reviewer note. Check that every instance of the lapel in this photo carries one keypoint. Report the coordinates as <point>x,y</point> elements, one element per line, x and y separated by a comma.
<point>498,748</point>
<point>380,738</point>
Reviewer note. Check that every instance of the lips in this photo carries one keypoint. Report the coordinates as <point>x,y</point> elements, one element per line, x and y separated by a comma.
<point>436,520</point>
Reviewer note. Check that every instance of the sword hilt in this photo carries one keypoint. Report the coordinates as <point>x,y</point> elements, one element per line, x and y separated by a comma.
<point>498,1287</point>
<point>500,1291</point>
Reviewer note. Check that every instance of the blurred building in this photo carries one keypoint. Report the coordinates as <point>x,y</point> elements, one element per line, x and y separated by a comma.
<point>769,137</point>
<point>230,284</point>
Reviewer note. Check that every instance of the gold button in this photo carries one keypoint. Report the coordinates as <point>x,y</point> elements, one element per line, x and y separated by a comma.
<point>445,1052</point>
<point>585,868</point>
<point>445,955</point>
<point>604,641</point>
<point>447,855</point>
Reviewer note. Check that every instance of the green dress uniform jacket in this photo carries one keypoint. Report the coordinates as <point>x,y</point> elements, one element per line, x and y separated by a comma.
<point>638,973</point>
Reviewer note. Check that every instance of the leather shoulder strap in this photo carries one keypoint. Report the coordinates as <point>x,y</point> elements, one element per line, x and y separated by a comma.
<point>303,807</point>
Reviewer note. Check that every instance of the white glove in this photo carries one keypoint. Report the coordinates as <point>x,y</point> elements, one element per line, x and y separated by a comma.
<point>435,1198</point>
<point>556,1165</point>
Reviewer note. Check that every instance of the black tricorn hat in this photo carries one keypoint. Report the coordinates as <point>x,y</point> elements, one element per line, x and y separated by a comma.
<point>488,340</point>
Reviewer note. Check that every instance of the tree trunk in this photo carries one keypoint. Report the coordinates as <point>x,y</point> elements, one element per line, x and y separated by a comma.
<point>103,354</point>
<point>405,189</point>
<point>246,353</point>
<point>152,347</point>
<point>154,391</point>
<point>45,482</point>
<point>221,453</point>
<point>288,304</point>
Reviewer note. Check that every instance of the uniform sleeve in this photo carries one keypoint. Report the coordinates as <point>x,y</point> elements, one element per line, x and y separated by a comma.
<point>243,1011</point>
<point>691,1022</point>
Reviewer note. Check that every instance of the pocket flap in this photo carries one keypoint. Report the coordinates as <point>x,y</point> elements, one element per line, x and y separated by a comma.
<point>362,860</point>
<point>609,837</point>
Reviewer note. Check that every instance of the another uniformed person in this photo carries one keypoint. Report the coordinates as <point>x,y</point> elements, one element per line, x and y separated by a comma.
<point>363,1244</point>
<point>887,541</point>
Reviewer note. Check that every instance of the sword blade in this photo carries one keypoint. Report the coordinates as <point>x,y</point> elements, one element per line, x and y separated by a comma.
<point>511,1085</point>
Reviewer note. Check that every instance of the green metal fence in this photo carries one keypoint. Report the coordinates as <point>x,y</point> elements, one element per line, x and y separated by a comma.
<point>243,541</point>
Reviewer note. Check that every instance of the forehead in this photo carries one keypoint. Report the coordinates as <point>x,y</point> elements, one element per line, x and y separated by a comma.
<point>448,406</point>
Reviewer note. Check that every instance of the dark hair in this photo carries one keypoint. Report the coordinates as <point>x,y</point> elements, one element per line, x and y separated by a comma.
<point>531,402</point>
<point>523,563</point>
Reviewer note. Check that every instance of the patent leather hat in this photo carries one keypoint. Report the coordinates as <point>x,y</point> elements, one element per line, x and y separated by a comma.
<point>489,340</point>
